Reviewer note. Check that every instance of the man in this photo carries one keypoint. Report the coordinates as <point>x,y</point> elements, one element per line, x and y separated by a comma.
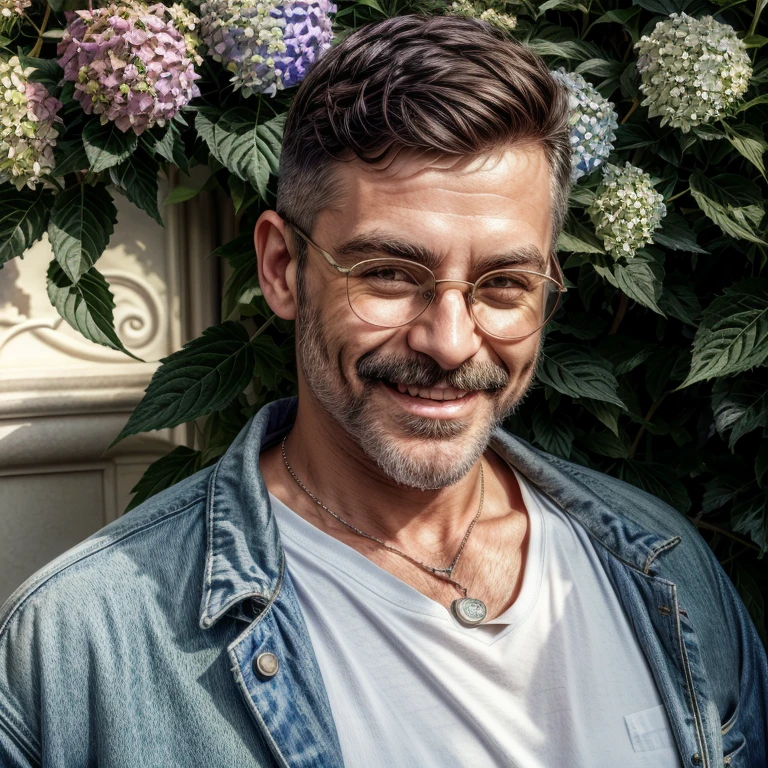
<point>377,574</point>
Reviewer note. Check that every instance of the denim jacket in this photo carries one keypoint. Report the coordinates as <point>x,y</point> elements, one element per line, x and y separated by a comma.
<point>144,645</point>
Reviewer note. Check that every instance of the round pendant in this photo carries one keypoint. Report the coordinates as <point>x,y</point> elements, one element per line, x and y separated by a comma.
<point>469,611</point>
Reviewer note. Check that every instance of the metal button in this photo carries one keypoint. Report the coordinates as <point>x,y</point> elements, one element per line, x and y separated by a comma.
<point>265,665</point>
<point>696,758</point>
<point>665,610</point>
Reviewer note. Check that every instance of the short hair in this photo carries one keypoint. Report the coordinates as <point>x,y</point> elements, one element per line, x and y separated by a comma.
<point>451,84</point>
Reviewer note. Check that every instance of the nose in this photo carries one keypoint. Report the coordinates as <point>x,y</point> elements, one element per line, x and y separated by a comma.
<point>446,330</point>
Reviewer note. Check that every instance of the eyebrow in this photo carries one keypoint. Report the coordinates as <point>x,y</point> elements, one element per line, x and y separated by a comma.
<point>373,244</point>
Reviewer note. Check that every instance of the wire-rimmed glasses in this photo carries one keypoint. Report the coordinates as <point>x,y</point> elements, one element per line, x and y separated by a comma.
<point>390,292</point>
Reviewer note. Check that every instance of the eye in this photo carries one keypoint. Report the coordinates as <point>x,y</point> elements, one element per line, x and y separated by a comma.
<point>388,273</point>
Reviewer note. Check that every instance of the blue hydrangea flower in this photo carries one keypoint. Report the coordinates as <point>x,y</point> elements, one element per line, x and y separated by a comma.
<point>266,46</point>
<point>593,123</point>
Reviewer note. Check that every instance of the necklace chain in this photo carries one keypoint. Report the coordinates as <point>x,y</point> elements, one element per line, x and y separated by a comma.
<point>443,573</point>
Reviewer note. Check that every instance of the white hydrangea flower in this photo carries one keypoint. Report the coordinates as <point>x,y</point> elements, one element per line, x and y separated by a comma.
<point>626,210</point>
<point>593,123</point>
<point>484,11</point>
<point>11,12</point>
<point>27,132</point>
<point>693,70</point>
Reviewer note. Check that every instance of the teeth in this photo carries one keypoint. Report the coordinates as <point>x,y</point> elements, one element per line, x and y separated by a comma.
<point>432,394</point>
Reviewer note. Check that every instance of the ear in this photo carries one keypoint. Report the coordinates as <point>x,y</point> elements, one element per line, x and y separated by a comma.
<point>276,265</point>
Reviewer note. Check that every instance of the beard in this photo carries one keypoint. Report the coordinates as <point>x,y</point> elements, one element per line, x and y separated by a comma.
<point>449,447</point>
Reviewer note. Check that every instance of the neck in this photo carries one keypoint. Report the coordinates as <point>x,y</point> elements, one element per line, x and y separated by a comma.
<point>334,468</point>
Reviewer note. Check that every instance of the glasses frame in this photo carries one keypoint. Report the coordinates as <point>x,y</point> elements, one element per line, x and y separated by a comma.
<point>470,296</point>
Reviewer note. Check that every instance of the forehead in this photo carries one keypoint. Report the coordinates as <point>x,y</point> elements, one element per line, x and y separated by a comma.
<point>488,203</point>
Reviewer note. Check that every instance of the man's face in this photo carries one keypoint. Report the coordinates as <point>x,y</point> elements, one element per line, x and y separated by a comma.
<point>422,399</point>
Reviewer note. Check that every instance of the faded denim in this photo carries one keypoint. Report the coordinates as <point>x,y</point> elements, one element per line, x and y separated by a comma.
<point>136,647</point>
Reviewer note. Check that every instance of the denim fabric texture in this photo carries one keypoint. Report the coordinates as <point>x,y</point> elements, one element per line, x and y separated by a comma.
<point>139,646</point>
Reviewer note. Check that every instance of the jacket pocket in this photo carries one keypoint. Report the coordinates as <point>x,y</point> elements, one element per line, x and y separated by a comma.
<point>649,730</point>
<point>734,752</point>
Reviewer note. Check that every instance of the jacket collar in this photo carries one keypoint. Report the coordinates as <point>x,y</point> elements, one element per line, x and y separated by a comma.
<point>244,556</point>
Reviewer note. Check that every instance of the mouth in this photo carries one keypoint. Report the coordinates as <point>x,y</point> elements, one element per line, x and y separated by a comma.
<point>432,402</point>
<point>432,394</point>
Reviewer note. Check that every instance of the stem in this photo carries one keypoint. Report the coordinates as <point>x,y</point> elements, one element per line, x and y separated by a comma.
<point>263,327</point>
<point>622,310</point>
<point>679,194</point>
<point>635,105</point>
<point>39,44</point>
<point>755,18</point>
<point>710,527</point>
<point>648,417</point>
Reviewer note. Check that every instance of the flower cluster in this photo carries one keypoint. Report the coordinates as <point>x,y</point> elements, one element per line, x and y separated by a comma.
<point>10,12</point>
<point>626,210</point>
<point>267,46</point>
<point>486,12</point>
<point>692,70</point>
<point>27,133</point>
<point>593,123</point>
<point>130,63</point>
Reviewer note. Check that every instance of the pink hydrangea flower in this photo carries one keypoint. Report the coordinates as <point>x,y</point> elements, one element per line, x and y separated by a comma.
<point>131,63</point>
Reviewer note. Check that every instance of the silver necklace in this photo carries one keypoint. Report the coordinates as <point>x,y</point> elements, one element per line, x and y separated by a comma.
<point>469,611</point>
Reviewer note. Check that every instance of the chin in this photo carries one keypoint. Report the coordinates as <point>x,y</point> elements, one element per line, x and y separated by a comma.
<point>424,453</point>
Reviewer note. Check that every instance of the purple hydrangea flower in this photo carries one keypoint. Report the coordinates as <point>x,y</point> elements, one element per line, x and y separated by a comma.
<point>267,46</point>
<point>130,63</point>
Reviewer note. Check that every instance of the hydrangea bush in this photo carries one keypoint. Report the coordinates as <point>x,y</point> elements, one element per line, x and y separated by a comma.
<point>655,368</point>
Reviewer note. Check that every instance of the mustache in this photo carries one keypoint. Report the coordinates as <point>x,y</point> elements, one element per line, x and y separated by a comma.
<point>426,373</point>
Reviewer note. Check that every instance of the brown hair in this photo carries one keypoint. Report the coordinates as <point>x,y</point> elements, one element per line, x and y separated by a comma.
<point>449,84</point>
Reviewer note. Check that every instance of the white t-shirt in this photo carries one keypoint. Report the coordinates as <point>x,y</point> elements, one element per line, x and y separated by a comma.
<point>556,681</point>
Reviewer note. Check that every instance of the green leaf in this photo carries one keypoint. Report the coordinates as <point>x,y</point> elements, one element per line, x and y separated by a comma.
<point>243,284</point>
<point>719,491</point>
<point>612,445</point>
<point>625,353</point>
<point>553,433</point>
<point>658,480</point>
<point>249,150</point>
<point>749,517</point>
<point>171,148</point>
<point>46,71</point>
<point>568,49</point>
<point>733,335</point>
<point>106,145</point>
<point>575,237</point>
<point>579,372</point>
<point>605,413</point>
<point>761,463</point>
<point>715,201</point>
<point>181,462</point>
<point>23,219</point>
<point>202,377</point>
<point>82,221</point>
<point>270,361</point>
<point>136,178</point>
<point>679,300</point>
<point>749,142</point>
<point>676,234</point>
<point>641,278</point>
<point>69,157</point>
<point>181,195</point>
<point>762,99</point>
<point>601,68</point>
<point>86,305</point>
<point>740,406</point>
<point>222,427</point>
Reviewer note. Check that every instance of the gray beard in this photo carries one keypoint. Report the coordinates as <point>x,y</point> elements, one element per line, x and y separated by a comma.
<point>355,415</point>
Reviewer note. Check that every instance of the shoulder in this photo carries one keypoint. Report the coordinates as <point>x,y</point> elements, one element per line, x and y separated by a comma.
<point>95,563</point>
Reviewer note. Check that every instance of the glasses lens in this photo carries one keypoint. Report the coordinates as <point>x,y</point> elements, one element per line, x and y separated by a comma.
<point>389,292</point>
<point>514,304</point>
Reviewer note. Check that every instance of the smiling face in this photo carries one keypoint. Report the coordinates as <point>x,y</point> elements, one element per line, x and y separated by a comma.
<point>422,399</point>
